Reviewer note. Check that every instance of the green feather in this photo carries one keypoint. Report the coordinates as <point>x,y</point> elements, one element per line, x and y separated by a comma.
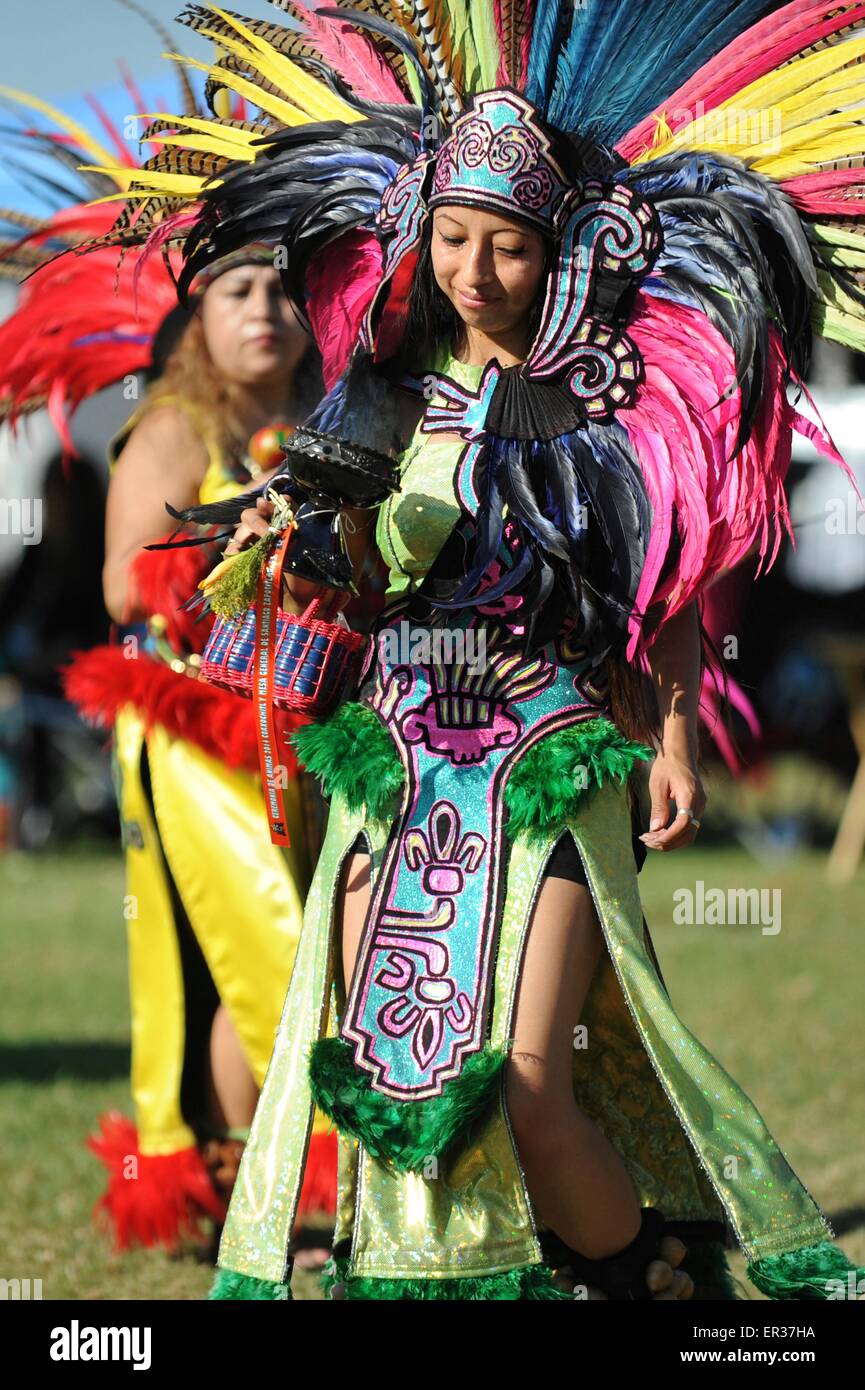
<point>353,754</point>
<point>809,1273</point>
<point>548,786</point>
<point>237,589</point>
<point>486,41</point>
<point>229,1286</point>
<point>837,316</point>
<point>406,1132</point>
<point>529,1282</point>
<point>844,238</point>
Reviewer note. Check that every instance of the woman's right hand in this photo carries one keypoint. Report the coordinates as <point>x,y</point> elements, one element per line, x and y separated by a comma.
<point>253,524</point>
<point>297,593</point>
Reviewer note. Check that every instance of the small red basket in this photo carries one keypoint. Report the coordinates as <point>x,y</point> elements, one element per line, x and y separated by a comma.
<point>313,661</point>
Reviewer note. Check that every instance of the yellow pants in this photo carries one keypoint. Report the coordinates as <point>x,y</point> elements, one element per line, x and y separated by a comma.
<point>243,897</point>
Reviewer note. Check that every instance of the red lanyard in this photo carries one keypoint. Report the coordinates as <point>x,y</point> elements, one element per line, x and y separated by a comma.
<point>272,771</point>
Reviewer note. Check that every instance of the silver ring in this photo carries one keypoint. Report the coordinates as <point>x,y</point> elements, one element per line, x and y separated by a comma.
<point>689,812</point>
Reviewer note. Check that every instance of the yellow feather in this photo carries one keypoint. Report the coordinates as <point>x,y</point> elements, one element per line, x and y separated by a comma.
<point>207,145</point>
<point>78,132</point>
<point>799,76</point>
<point>313,109</point>
<point>274,106</point>
<point>825,151</point>
<point>226,134</point>
<point>221,103</point>
<point>792,99</point>
<point>823,141</point>
<point>157,181</point>
<point>305,90</point>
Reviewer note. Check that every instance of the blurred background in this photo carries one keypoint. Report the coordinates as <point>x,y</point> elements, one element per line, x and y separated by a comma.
<point>786,807</point>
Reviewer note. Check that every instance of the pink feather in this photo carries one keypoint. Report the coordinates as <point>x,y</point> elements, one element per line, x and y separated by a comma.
<point>341,280</point>
<point>168,229</point>
<point>835,192</point>
<point>352,55</point>
<point>710,713</point>
<point>722,509</point>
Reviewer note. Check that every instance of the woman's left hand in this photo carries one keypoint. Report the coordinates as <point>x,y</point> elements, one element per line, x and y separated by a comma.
<point>674,777</point>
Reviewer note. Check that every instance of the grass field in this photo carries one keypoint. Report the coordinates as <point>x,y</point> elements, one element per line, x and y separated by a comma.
<point>782,1013</point>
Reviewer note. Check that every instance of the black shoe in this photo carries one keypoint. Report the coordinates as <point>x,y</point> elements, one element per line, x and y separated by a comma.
<point>620,1276</point>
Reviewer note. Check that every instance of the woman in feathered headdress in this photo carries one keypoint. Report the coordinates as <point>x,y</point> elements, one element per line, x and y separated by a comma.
<point>521,218</point>
<point>207,973</point>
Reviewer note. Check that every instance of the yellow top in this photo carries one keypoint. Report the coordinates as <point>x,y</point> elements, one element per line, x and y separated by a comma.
<point>218,482</point>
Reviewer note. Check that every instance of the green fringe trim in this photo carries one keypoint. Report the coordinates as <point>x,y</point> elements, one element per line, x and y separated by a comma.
<point>548,785</point>
<point>706,1262</point>
<point>230,1286</point>
<point>406,1132</point>
<point>353,754</point>
<point>528,1282</point>
<point>806,1273</point>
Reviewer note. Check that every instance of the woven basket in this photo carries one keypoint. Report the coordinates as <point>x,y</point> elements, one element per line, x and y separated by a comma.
<point>314,661</point>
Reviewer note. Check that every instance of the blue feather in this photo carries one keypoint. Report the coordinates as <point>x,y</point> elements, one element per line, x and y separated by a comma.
<point>545,33</point>
<point>622,58</point>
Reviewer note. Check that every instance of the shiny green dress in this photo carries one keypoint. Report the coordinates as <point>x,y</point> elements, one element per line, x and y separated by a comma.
<point>461,1224</point>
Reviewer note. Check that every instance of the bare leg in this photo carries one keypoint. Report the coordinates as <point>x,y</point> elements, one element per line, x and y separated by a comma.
<point>231,1085</point>
<point>352,905</point>
<point>577,1181</point>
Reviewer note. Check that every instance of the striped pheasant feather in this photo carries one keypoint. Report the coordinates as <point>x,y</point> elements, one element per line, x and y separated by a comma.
<point>310,99</point>
<point>514,22</point>
<point>427,21</point>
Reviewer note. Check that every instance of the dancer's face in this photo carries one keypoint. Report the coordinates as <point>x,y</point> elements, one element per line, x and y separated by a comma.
<point>253,335</point>
<point>489,266</point>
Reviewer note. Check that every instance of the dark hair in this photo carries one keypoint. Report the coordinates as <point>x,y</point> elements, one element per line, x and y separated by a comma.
<point>433,320</point>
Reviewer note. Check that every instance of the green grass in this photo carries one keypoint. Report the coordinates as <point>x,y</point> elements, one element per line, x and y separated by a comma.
<point>782,1013</point>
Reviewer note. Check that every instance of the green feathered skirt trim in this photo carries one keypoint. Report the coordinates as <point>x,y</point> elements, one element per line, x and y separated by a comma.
<point>407,1133</point>
<point>229,1286</point>
<point>528,1283</point>
<point>819,1271</point>
<point>352,754</point>
<point>549,784</point>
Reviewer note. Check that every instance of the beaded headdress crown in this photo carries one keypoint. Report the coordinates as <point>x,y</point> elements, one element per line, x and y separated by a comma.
<point>498,156</point>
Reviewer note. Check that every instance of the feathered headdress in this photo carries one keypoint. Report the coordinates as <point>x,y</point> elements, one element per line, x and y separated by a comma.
<point>83,322</point>
<point>698,168</point>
